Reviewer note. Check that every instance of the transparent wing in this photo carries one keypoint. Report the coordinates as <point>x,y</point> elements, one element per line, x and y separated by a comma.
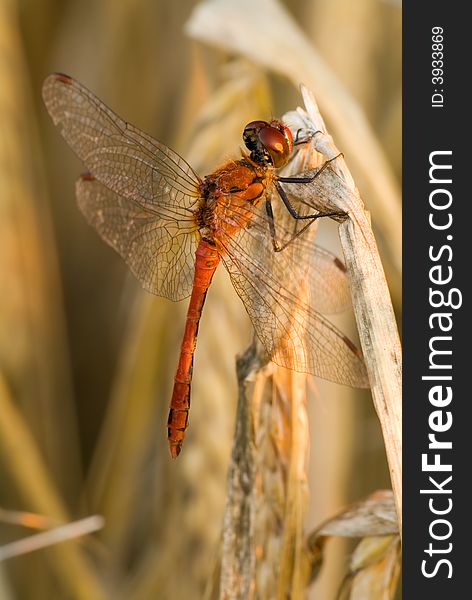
<point>303,262</point>
<point>322,271</point>
<point>279,291</point>
<point>125,159</point>
<point>140,193</point>
<point>160,252</point>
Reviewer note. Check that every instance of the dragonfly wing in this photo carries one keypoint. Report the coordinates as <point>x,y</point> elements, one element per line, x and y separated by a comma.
<point>271,286</point>
<point>125,159</point>
<point>324,273</point>
<point>308,264</point>
<point>140,194</point>
<point>159,252</point>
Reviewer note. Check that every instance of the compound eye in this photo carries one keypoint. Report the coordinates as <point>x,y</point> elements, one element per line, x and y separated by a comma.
<point>251,134</point>
<point>285,130</point>
<point>288,137</point>
<point>256,125</point>
<point>277,145</point>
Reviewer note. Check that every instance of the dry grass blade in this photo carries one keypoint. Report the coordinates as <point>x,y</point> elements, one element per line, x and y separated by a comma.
<point>33,352</point>
<point>335,189</point>
<point>53,536</point>
<point>33,481</point>
<point>265,33</point>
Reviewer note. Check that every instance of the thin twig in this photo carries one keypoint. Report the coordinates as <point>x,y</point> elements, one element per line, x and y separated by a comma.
<point>52,536</point>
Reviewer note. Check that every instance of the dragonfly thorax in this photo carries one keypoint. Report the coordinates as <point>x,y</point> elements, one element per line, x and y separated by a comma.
<point>227,195</point>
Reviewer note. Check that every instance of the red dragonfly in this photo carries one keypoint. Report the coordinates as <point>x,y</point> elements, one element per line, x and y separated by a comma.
<point>173,228</point>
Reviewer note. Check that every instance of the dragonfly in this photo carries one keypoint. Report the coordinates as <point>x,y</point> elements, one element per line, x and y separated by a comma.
<point>173,228</point>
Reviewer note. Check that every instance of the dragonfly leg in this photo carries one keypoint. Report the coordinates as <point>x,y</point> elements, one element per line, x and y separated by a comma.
<point>275,244</point>
<point>298,142</point>
<point>297,215</point>
<point>313,177</point>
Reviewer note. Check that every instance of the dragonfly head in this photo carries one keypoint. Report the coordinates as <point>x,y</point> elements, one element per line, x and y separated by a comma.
<point>270,144</point>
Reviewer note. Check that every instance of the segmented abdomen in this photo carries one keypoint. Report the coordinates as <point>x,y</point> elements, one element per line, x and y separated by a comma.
<point>206,262</point>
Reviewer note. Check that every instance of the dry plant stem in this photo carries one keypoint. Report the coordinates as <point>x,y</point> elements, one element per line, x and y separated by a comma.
<point>292,576</point>
<point>262,550</point>
<point>262,535</point>
<point>238,557</point>
<point>371,300</point>
<point>379,339</point>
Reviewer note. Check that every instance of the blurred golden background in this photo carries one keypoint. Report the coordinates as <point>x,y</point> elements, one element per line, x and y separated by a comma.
<point>87,358</point>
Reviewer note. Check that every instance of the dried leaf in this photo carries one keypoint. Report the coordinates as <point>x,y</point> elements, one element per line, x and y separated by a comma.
<point>374,565</point>
<point>374,516</point>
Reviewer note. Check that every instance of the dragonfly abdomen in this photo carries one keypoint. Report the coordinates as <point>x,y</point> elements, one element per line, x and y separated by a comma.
<point>206,262</point>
